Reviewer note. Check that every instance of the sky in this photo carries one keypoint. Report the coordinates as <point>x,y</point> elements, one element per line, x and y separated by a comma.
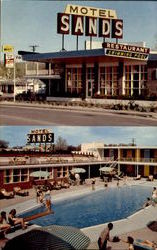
<point>75,135</point>
<point>34,22</point>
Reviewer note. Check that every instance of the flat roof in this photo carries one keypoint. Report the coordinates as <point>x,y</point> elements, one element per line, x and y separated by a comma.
<point>27,56</point>
<point>126,147</point>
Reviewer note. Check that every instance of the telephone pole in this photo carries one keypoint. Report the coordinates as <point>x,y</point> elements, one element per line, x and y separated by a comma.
<point>34,47</point>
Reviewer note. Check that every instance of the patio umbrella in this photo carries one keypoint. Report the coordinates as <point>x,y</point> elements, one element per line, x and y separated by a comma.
<point>152,226</point>
<point>78,170</point>
<point>40,174</point>
<point>50,238</point>
<point>107,169</point>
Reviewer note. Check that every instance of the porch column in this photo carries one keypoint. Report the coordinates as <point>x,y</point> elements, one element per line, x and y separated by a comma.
<point>118,169</point>
<point>89,172</point>
<point>132,86</point>
<point>84,92</point>
<point>26,69</point>
<point>49,73</point>
<point>137,170</point>
<point>49,88</point>
<point>139,90</point>
<point>37,68</point>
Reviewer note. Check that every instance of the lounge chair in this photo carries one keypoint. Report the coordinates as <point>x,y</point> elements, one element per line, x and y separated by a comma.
<point>51,185</point>
<point>57,185</point>
<point>138,177</point>
<point>65,184</point>
<point>20,192</point>
<point>5,194</point>
<point>144,245</point>
<point>150,178</point>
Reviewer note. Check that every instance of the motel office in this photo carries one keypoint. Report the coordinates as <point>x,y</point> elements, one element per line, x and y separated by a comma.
<point>114,70</point>
<point>92,74</point>
<point>16,168</point>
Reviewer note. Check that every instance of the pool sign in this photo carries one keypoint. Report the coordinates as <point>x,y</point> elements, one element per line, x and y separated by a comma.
<point>126,51</point>
<point>88,21</point>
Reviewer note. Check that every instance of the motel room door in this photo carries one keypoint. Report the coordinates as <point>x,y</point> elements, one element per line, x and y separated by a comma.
<point>89,82</point>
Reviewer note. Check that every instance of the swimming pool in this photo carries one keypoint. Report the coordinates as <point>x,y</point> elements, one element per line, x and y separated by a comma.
<point>95,208</point>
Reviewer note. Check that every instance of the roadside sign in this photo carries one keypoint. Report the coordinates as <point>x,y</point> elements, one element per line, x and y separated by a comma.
<point>7,48</point>
<point>9,60</point>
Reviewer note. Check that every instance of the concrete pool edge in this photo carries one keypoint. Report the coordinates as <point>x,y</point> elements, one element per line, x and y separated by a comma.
<point>136,221</point>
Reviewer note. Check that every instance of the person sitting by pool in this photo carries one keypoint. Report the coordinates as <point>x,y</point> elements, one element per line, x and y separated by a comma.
<point>154,196</point>
<point>130,242</point>
<point>4,226</point>
<point>147,203</point>
<point>104,237</point>
<point>15,221</point>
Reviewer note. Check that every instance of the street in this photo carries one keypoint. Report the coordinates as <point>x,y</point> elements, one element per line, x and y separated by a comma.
<point>24,115</point>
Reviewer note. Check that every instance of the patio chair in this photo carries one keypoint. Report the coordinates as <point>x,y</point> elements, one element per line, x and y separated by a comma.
<point>20,192</point>
<point>57,185</point>
<point>5,194</point>
<point>51,185</point>
<point>65,184</point>
<point>138,177</point>
<point>144,245</point>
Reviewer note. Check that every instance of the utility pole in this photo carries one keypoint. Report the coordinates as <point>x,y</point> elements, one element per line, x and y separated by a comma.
<point>0,29</point>
<point>34,47</point>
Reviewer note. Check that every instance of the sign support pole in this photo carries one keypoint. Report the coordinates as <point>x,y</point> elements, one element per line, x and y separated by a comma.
<point>14,80</point>
<point>63,42</point>
<point>90,42</point>
<point>76,42</point>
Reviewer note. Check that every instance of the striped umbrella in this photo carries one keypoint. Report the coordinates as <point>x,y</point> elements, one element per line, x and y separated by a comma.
<point>50,238</point>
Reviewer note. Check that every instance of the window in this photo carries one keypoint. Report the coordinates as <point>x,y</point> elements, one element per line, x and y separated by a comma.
<point>16,175</point>
<point>109,80</point>
<point>74,80</point>
<point>59,172</point>
<point>135,79</point>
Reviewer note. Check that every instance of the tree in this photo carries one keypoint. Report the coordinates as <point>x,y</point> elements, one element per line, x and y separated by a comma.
<point>61,144</point>
<point>4,144</point>
<point>7,73</point>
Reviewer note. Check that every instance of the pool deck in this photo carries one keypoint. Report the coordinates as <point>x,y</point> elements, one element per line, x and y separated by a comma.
<point>134,225</point>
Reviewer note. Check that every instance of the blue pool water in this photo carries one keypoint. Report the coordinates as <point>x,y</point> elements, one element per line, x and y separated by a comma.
<point>95,208</point>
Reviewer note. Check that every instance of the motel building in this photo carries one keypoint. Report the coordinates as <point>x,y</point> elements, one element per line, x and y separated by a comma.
<point>131,160</point>
<point>114,70</point>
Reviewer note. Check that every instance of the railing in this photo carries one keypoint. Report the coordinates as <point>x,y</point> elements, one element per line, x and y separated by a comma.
<point>44,72</point>
<point>139,159</point>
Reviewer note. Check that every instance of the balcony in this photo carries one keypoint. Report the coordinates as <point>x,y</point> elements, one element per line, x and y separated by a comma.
<point>43,72</point>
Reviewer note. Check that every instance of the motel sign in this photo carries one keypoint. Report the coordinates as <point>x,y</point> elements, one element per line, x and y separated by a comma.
<point>81,20</point>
